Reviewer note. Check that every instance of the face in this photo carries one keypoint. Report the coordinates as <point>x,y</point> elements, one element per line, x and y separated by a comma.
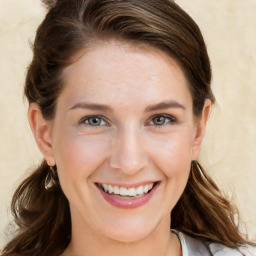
<point>123,138</point>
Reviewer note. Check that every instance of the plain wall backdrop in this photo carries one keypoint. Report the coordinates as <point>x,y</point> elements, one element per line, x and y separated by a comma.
<point>229,149</point>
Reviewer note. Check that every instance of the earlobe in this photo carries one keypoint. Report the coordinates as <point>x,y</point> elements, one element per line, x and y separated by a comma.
<point>41,129</point>
<point>200,129</point>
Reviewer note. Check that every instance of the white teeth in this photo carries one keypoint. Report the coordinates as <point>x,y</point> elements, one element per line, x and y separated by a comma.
<point>116,190</point>
<point>146,189</point>
<point>110,189</point>
<point>140,190</point>
<point>105,187</point>
<point>133,192</point>
<point>124,191</point>
<point>150,186</point>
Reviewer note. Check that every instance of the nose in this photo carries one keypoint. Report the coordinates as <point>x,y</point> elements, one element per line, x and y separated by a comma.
<point>128,152</point>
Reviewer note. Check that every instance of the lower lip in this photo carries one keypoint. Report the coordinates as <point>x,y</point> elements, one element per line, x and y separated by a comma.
<point>127,203</point>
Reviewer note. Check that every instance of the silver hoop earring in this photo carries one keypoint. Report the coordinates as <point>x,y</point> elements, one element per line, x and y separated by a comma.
<point>49,3</point>
<point>51,179</point>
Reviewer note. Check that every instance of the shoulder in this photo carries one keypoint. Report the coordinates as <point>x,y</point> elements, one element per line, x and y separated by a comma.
<point>197,247</point>
<point>222,250</point>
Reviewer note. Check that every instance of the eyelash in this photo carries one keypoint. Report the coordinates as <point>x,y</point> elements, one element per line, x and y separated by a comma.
<point>168,120</point>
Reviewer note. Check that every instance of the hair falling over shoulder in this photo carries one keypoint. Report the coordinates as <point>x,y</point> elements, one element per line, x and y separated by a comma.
<point>42,215</point>
<point>203,211</point>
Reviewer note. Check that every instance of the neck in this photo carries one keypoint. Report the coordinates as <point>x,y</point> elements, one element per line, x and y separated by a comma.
<point>160,241</point>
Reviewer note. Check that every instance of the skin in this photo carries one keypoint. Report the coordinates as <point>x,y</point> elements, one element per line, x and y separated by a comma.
<point>125,147</point>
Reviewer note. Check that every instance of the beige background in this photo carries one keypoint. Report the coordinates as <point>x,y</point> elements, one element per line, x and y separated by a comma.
<point>229,150</point>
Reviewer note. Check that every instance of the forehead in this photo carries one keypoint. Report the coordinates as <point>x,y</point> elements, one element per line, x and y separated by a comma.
<point>112,71</point>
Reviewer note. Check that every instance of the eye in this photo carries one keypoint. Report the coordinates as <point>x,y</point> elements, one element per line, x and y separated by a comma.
<point>161,120</point>
<point>94,121</point>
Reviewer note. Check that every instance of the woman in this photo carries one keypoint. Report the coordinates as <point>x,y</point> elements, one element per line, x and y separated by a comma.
<point>119,95</point>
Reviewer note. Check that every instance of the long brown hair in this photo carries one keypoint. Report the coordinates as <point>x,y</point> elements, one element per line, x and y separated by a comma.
<point>42,216</point>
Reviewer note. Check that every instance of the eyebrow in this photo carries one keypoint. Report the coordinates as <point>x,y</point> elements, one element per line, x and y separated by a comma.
<point>102,107</point>
<point>165,105</point>
<point>91,106</point>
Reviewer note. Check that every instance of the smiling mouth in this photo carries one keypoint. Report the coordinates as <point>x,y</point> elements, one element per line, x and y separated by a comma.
<point>131,192</point>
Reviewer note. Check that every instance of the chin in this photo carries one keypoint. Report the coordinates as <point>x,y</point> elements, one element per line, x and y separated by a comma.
<point>130,231</point>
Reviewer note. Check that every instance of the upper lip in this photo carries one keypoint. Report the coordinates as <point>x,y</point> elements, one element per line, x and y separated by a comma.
<point>128,185</point>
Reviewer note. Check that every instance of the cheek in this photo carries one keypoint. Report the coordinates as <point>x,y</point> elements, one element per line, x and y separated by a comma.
<point>174,160</point>
<point>79,155</point>
<point>173,154</point>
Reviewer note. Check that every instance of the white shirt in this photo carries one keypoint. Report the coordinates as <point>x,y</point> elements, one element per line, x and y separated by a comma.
<point>196,247</point>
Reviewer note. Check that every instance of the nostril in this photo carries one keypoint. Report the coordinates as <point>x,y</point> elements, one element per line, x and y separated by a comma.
<point>127,164</point>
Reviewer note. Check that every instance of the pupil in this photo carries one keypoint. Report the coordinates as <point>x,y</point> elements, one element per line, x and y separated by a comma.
<point>94,121</point>
<point>159,120</point>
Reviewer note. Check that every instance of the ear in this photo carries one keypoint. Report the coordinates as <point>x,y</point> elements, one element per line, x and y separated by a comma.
<point>41,129</point>
<point>200,128</point>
